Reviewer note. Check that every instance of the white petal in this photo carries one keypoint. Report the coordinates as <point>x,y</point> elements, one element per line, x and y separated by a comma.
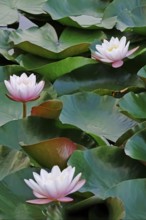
<point>74,182</point>
<point>122,42</point>
<point>12,92</point>
<point>39,87</point>
<point>34,186</point>
<point>50,190</point>
<point>23,76</point>
<point>23,93</point>
<point>106,60</point>
<point>13,80</point>
<point>55,171</point>
<point>78,186</point>
<point>32,78</point>
<point>44,175</point>
<point>38,178</point>
<point>99,55</point>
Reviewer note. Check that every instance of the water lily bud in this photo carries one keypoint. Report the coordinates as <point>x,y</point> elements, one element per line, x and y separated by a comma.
<point>54,186</point>
<point>113,51</point>
<point>24,88</point>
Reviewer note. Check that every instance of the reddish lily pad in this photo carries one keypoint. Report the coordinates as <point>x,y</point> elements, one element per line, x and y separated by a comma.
<point>51,152</point>
<point>50,109</point>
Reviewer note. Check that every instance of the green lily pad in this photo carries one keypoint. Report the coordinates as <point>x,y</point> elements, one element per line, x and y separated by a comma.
<point>84,13</point>
<point>6,71</point>
<point>12,198</point>
<point>53,70</point>
<point>47,44</point>
<point>133,105</point>
<point>28,132</point>
<point>102,170</point>
<point>132,193</point>
<point>129,14</point>
<point>11,8</point>
<point>136,146</point>
<point>142,73</point>
<point>4,45</point>
<point>11,161</point>
<point>95,114</point>
<point>128,134</point>
<point>102,77</point>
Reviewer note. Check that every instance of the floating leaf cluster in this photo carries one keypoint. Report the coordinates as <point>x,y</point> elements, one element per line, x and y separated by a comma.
<point>89,115</point>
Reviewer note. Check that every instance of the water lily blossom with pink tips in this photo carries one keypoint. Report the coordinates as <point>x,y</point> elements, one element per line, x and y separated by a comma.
<point>23,88</point>
<point>54,186</point>
<point>113,51</point>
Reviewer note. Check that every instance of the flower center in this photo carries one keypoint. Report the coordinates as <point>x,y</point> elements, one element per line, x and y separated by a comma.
<point>112,48</point>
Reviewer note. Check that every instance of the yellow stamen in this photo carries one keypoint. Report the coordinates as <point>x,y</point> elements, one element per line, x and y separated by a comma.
<point>112,48</point>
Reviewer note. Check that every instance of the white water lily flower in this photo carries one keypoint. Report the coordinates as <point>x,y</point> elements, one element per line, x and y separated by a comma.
<point>54,186</point>
<point>24,88</point>
<point>113,51</point>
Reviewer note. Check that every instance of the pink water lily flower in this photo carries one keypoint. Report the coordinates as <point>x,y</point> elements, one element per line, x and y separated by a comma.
<point>54,186</point>
<point>113,51</point>
<point>23,88</point>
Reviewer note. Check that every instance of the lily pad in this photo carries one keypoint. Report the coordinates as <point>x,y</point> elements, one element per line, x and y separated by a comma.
<point>51,152</point>
<point>11,8</point>
<point>13,198</point>
<point>102,170</point>
<point>133,105</point>
<point>47,44</point>
<point>28,132</point>
<point>101,78</point>
<point>129,14</point>
<point>53,70</point>
<point>132,193</point>
<point>11,161</point>
<point>82,13</point>
<point>128,134</point>
<point>136,146</point>
<point>48,109</point>
<point>95,114</point>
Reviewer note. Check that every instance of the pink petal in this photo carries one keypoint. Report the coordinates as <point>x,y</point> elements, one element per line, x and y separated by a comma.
<point>117,64</point>
<point>65,199</point>
<point>39,201</point>
<point>131,51</point>
<point>38,195</point>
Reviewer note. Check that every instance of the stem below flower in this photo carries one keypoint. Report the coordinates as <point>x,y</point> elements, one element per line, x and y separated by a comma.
<point>24,109</point>
<point>54,212</point>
